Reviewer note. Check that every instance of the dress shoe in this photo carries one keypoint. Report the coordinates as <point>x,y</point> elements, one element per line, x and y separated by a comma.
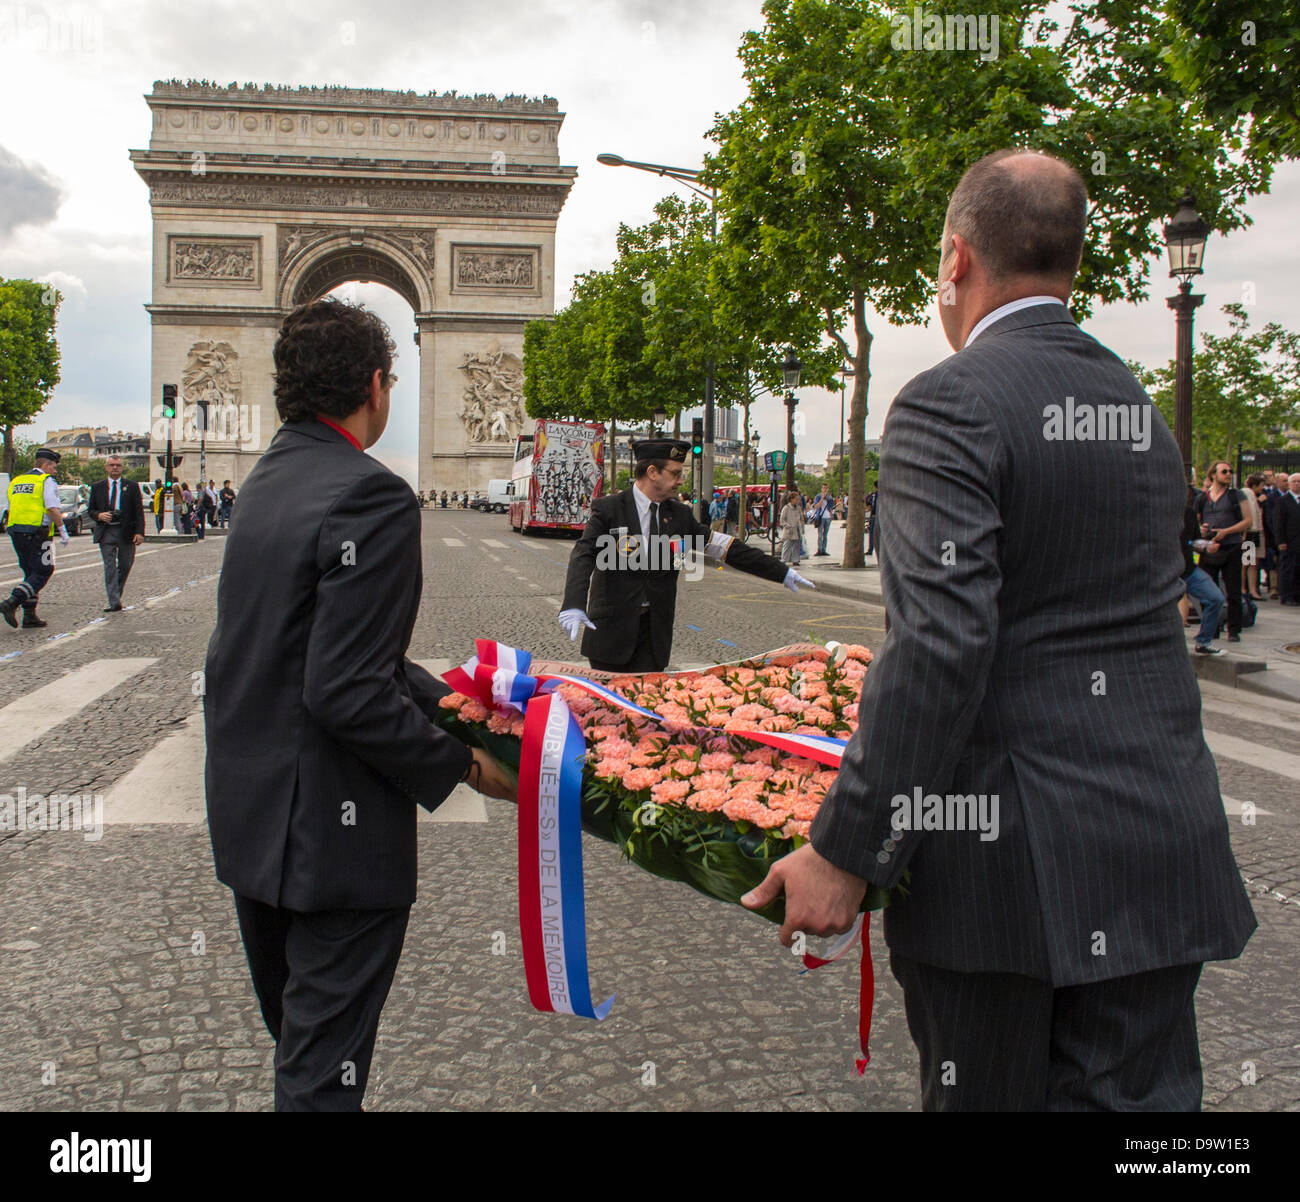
<point>7,607</point>
<point>1234,638</point>
<point>30,620</point>
<point>112,609</point>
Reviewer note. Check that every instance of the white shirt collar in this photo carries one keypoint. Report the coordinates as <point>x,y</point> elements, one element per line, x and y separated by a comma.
<point>1010,307</point>
<point>642,509</point>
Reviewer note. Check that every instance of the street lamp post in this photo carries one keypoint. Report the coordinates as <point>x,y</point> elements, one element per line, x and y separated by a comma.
<point>660,416</point>
<point>684,175</point>
<point>791,372</point>
<point>1185,238</point>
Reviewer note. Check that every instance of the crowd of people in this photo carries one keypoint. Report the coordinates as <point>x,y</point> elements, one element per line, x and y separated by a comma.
<point>444,500</point>
<point>1240,547</point>
<point>193,511</point>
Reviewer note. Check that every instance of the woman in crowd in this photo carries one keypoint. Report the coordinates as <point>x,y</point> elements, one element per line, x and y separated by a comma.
<point>791,528</point>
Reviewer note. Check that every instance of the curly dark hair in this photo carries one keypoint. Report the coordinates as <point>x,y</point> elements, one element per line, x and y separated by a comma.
<point>324,358</point>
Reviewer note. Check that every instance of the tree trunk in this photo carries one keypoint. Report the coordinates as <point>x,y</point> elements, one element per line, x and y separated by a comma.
<point>744,478</point>
<point>613,455</point>
<point>9,450</point>
<point>677,425</point>
<point>853,534</point>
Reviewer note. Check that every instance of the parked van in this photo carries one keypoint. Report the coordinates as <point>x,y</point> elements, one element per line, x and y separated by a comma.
<point>498,497</point>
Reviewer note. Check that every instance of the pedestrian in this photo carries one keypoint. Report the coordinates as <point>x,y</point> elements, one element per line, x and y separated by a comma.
<point>1219,511</point>
<point>873,499</point>
<point>1197,582</point>
<point>198,520</point>
<point>211,503</point>
<point>319,739</point>
<point>1034,657</point>
<point>1286,524</point>
<point>823,509</point>
<point>791,528</point>
<point>1252,501</point>
<point>226,503</point>
<point>118,511</point>
<point>731,522</point>
<point>33,513</point>
<point>178,509</point>
<point>623,571</point>
<point>717,514</point>
<point>156,503</point>
<point>443,498</point>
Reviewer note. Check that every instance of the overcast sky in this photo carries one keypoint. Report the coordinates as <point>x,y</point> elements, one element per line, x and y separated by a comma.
<point>641,79</point>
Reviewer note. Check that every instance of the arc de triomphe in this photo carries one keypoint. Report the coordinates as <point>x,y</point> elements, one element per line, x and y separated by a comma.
<point>264,197</point>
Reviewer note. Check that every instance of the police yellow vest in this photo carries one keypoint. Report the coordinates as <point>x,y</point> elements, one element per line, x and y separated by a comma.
<point>27,501</point>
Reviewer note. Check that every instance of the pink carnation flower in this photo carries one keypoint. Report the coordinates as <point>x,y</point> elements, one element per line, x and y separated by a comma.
<point>751,772</point>
<point>669,791</point>
<point>751,712</point>
<point>709,781</point>
<point>717,761</point>
<point>707,801</point>
<point>474,710</point>
<point>637,779</point>
<point>452,701</point>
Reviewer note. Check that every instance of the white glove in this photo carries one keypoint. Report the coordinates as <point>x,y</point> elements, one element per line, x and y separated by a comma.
<point>793,580</point>
<point>64,537</point>
<point>573,620</point>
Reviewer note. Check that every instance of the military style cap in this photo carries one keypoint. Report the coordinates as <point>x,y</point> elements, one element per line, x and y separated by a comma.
<point>46,453</point>
<point>661,448</point>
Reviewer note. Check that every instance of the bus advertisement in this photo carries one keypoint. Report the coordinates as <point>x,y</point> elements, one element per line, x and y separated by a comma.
<point>558,472</point>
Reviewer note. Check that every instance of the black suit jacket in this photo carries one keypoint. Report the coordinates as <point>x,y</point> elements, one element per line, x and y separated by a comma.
<point>132,509</point>
<point>612,595</point>
<point>1035,653</point>
<point>319,745</point>
<point>1286,521</point>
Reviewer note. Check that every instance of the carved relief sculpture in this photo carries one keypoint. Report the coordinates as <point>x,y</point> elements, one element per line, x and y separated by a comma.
<point>494,396</point>
<point>215,260</point>
<point>212,373</point>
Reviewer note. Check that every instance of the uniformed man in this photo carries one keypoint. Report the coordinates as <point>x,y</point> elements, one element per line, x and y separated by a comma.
<point>33,510</point>
<point>629,557</point>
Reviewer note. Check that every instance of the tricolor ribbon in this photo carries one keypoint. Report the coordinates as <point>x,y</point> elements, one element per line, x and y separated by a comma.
<point>552,909</point>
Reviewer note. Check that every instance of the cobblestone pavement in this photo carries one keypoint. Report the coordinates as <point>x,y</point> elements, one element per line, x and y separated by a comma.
<point>125,984</point>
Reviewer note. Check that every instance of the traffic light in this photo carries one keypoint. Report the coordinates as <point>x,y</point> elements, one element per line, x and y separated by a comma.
<point>697,437</point>
<point>169,401</point>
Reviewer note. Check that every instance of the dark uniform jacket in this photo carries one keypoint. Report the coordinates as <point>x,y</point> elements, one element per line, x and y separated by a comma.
<point>613,595</point>
<point>318,737</point>
<point>1036,654</point>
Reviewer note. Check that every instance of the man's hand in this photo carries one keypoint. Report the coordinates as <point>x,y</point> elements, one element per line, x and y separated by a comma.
<point>64,536</point>
<point>105,516</point>
<point>793,580</point>
<point>137,539</point>
<point>820,899</point>
<point>573,620</point>
<point>490,779</point>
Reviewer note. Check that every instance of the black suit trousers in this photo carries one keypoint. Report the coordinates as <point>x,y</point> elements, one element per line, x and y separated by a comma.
<point>321,979</point>
<point>643,656</point>
<point>1005,1042</point>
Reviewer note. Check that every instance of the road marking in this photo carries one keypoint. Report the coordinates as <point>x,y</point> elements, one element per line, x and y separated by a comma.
<point>150,602</point>
<point>166,785</point>
<point>453,542</point>
<point>492,542</point>
<point>1233,808</point>
<point>27,718</point>
<point>70,636</point>
<point>1255,754</point>
<point>82,567</point>
<point>726,642</point>
<point>697,629</point>
<point>1247,713</point>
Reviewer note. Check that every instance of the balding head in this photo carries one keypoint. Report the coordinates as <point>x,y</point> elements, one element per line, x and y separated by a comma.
<point>1023,214</point>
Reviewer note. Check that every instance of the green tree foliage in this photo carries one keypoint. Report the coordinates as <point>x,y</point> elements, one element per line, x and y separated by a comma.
<point>1237,60</point>
<point>1246,388</point>
<point>29,355</point>
<point>835,172</point>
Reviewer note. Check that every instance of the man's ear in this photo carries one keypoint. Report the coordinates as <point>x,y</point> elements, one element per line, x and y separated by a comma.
<point>375,389</point>
<point>961,259</point>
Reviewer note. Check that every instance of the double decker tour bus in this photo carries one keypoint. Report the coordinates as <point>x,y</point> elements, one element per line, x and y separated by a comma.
<point>557,474</point>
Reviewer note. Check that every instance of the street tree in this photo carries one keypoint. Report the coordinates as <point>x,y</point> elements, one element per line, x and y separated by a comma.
<point>29,355</point>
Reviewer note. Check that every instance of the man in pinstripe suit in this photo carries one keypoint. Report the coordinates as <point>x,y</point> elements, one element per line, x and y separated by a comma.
<point>1035,658</point>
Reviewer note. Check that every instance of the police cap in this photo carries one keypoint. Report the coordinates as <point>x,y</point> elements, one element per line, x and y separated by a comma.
<point>46,453</point>
<point>661,448</point>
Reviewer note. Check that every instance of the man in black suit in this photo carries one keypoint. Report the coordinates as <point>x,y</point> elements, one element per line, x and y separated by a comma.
<point>318,733</point>
<point>1286,527</point>
<point>118,511</point>
<point>629,558</point>
<point>1035,673</point>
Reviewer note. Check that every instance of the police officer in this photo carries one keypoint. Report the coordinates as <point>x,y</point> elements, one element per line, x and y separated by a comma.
<point>33,509</point>
<point>628,560</point>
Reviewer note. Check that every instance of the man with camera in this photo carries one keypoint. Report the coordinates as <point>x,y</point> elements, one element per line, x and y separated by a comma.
<point>118,510</point>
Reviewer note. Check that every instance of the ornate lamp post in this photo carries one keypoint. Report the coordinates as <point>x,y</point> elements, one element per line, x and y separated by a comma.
<point>1185,238</point>
<point>689,177</point>
<point>791,372</point>
<point>660,417</point>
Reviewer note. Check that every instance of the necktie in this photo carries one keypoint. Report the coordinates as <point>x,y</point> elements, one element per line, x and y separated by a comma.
<point>112,495</point>
<point>654,519</point>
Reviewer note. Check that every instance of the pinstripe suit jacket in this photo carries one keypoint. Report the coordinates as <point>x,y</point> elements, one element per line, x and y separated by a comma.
<point>1035,652</point>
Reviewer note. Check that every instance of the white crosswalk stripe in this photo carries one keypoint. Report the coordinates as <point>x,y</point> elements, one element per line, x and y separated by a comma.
<point>29,716</point>
<point>1230,747</point>
<point>454,542</point>
<point>492,542</point>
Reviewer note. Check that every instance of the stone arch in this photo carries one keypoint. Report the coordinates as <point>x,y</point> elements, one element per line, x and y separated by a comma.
<point>331,261</point>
